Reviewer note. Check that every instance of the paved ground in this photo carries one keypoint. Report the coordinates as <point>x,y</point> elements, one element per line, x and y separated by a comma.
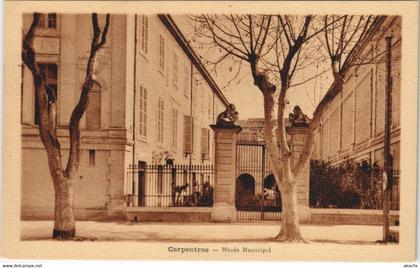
<point>204,232</point>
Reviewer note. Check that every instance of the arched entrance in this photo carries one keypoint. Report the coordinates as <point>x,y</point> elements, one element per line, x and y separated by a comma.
<point>272,196</point>
<point>245,190</point>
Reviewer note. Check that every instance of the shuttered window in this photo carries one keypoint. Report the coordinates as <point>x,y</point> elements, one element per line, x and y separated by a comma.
<point>160,123</point>
<point>161,52</point>
<point>144,34</point>
<point>205,133</point>
<point>174,127</point>
<point>175,69</point>
<point>48,21</point>
<point>186,81</point>
<point>188,134</point>
<point>194,90</point>
<point>143,111</point>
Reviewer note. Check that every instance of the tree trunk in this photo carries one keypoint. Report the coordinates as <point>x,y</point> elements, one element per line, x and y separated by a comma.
<point>290,228</point>
<point>285,179</point>
<point>64,223</point>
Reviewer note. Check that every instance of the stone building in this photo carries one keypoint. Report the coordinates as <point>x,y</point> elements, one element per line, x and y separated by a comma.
<point>353,120</point>
<point>252,130</point>
<point>152,100</point>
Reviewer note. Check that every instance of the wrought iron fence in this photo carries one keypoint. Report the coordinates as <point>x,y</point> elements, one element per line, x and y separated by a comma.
<point>171,186</point>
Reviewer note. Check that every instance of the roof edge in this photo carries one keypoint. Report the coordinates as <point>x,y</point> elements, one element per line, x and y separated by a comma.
<point>170,24</point>
<point>333,90</point>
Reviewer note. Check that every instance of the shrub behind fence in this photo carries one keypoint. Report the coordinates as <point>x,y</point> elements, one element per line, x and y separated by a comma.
<point>349,185</point>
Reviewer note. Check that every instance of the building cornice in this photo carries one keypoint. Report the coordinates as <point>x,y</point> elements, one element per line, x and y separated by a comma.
<point>170,24</point>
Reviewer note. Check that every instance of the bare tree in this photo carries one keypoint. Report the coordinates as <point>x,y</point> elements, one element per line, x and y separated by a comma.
<point>63,178</point>
<point>270,45</point>
<point>342,39</point>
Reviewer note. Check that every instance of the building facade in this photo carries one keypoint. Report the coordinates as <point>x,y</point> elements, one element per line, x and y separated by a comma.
<point>152,101</point>
<point>353,120</point>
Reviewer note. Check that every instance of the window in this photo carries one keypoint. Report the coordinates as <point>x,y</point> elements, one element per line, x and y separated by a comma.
<point>175,69</point>
<point>194,90</point>
<point>144,34</point>
<point>174,127</point>
<point>161,52</point>
<point>205,133</point>
<point>92,158</point>
<point>50,73</point>
<point>186,81</point>
<point>143,112</point>
<point>160,120</point>
<point>48,21</point>
<point>188,134</point>
<point>209,105</point>
<point>93,111</point>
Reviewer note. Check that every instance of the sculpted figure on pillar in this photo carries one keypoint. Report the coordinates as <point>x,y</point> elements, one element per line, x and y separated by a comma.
<point>228,117</point>
<point>298,118</point>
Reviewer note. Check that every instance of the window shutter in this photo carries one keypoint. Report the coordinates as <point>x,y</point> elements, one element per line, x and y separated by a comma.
<point>186,82</point>
<point>160,124</point>
<point>144,34</point>
<point>205,143</point>
<point>143,111</point>
<point>161,52</point>
<point>175,69</point>
<point>174,127</point>
<point>188,134</point>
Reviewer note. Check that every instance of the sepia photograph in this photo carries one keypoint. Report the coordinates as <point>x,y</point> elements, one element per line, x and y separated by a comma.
<point>212,133</point>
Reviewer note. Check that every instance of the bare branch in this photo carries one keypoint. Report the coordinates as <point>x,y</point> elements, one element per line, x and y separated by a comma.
<point>80,108</point>
<point>239,35</point>
<point>264,38</point>
<point>309,79</point>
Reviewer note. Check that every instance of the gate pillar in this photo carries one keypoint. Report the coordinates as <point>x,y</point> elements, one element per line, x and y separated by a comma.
<point>298,135</point>
<point>225,167</point>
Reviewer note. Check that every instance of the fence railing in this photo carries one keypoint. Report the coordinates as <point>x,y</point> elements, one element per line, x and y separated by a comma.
<point>171,186</point>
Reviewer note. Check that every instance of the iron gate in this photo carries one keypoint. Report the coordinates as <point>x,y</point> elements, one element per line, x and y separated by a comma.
<point>257,196</point>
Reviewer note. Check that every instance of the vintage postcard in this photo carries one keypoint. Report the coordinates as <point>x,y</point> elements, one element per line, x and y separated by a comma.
<point>278,130</point>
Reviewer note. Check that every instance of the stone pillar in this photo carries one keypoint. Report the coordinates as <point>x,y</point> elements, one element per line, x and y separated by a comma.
<point>225,167</point>
<point>297,137</point>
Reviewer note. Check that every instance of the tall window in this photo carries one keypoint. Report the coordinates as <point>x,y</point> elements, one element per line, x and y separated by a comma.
<point>175,69</point>
<point>174,127</point>
<point>186,81</point>
<point>188,134</point>
<point>92,158</point>
<point>160,120</point>
<point>48,21</point>
<point>93,111</point>
<point>161,52</point>
<point>50,73</point>
<point>144,34</point>
<point>209,104</point>
<point>205,133</point>
<point>194,90</point>
<point>143,112</point>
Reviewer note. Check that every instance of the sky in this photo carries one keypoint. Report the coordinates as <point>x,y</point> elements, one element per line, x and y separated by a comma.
<point>246,96</point>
